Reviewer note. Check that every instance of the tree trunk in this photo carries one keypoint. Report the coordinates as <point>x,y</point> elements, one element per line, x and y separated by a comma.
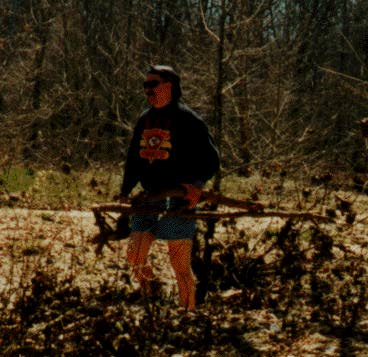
<point>128,42</point>
<point>42,33</point>
<point>218,100</point>
<point>204,275</point>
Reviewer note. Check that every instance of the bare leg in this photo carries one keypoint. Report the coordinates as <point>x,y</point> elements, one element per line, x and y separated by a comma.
<point>138,247</point>
<point>180,257</point>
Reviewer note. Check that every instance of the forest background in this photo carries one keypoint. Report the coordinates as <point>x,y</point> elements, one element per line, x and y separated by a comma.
<point>283,87</point>
<point>281,83</point>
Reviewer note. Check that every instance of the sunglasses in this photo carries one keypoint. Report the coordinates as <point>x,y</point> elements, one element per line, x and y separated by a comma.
<point>151,84</point>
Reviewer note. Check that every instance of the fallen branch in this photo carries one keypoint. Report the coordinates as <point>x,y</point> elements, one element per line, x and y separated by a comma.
<point>137,205</point>
<point>127,209</point>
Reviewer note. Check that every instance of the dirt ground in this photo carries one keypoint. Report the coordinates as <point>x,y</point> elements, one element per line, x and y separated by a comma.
<point>58,242</point>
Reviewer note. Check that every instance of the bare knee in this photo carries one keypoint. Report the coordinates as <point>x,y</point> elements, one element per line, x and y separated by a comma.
<point>138,247</point>
<point>182,266</point>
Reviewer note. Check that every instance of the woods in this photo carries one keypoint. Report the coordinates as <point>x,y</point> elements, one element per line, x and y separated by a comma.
<point>278,81</point>
<point>280,253</point>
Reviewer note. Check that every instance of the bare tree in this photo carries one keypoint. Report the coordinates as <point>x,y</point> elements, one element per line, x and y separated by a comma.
<point>276,80</point>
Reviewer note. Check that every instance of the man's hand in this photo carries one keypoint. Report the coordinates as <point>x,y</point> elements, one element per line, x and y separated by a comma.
<point>124,199</point>
<point>193,194</point>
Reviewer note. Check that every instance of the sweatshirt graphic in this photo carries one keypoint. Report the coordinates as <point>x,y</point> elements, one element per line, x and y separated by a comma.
<point>155,144</point>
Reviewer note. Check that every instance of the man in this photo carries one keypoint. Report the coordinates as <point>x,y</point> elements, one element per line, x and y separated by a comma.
<point>171,147</point>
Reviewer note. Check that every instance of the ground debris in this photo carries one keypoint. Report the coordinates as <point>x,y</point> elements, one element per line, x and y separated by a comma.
<point>281,289</point>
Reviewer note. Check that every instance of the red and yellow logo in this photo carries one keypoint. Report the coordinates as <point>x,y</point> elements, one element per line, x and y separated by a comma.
<point>155,144</point>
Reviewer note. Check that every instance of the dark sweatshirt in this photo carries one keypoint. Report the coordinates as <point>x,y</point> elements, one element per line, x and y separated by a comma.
<point>170,146</point>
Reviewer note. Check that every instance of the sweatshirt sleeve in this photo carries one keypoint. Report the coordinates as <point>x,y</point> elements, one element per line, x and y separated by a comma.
<point>202,152</point>
<point>131,170</point>
<point>208,159</point>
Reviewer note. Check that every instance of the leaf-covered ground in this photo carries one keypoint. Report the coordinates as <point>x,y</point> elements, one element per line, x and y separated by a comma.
<point>275,288</point>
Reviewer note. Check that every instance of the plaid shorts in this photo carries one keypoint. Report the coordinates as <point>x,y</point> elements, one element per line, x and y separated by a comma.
<point>165,227</point>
